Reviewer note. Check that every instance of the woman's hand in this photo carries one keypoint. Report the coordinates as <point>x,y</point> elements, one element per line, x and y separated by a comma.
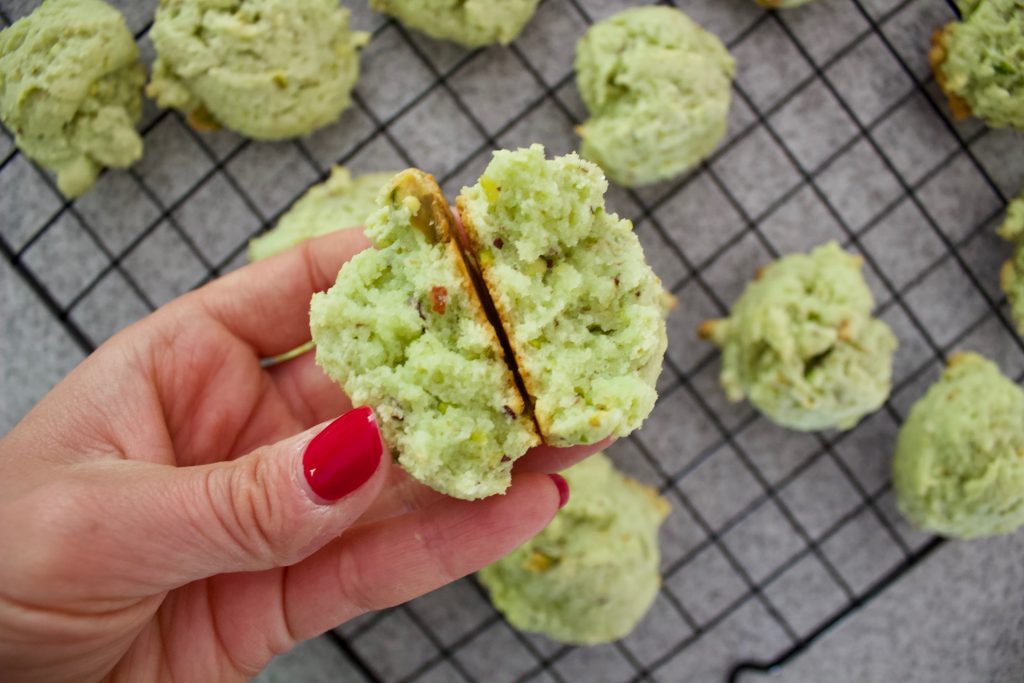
<point>175,511</point>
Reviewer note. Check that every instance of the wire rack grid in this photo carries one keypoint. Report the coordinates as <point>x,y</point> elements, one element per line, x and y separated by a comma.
<point>837,131</point>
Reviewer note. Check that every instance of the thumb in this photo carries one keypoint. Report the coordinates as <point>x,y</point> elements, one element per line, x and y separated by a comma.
<point>147,527</point>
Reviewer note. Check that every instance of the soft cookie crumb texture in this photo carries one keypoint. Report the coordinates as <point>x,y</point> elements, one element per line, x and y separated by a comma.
<point>71,90</point>
<point>657,87</point>
<point>583,312</point>
<point>959,464</point>
<point>801,343</point>
<point>592,574</point>
<point>268,69</point>
<point>403,331</point>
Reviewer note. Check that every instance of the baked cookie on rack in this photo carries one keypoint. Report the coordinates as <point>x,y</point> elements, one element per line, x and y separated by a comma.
<point>267,69</point>
<point>801,343</point>
<point>71,90</point>
<point>979,62</point>
<point>592,574</point>
<point>658,89</point>
<point>959,464</point>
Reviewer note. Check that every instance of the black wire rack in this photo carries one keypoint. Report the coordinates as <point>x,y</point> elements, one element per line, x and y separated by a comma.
<point>837,131</point>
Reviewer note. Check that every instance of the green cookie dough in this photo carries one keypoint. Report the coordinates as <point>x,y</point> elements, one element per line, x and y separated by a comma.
<point>339,202</point>
<point>979,61</point>
<point>657,86</point>
<point>582,310</point>
<point>1012,274</point>
<point>71,90</point>
<point>403,330</point>
<point>959,464</point>
<point>801,343</point>
<point>268,69</point>
<point>472,23</point>
<point>592,574</point>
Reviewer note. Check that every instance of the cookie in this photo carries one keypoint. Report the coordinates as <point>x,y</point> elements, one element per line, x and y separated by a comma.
<point>71,90</point>
<point>959,464</point>
<point>979,64</point>
<point>404,331</point>
<point>582,310</point>
<point>592,574</point>
<point>801,343</point>
<point>658,89</point>
<point>472,23</point>
<point>268,69</point>
<point>339,202</point>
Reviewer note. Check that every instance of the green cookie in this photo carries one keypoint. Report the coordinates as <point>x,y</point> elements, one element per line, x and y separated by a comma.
<point>339,202</point>
<point>801,343</point>
<point>472,23</point>
<point>71,90</point>
<point>959,465</point>
<point>979,63</point>
<point>268,69</point>
<point>657,86</point>
<point>592,574</point>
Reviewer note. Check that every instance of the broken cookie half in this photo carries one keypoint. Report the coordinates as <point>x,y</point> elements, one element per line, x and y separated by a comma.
<point>547,325</point>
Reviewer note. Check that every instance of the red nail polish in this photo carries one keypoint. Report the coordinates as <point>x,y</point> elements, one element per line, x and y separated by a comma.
<point>563,489</point>
<point>344,455</point>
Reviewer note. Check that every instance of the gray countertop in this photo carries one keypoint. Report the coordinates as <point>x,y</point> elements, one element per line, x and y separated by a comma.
<point>837,131</point>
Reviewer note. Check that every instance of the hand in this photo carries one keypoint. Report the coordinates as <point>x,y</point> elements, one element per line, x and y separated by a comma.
<point>175,511</point>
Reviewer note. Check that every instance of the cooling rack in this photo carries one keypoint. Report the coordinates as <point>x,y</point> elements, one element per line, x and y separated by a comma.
<point>837,131</point>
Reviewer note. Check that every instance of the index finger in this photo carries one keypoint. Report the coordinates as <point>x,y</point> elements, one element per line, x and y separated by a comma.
<point>266,304</point>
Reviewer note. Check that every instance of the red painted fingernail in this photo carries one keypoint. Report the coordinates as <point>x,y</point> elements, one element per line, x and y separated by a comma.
<point>344,455</point>
<point>563,489</point>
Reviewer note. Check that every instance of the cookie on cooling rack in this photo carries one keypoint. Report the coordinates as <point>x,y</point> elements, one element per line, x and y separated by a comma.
<point>583,312</point>
<point>71,90</point>
<point>979,64</point>
<point>268,69</point>
<point>592,574</point>
<point>472,23</point>
<point>1012,275</point>
<point>959,464</point>
<point>801,343</point>
<point>657,87</point>
<point>339,202</point>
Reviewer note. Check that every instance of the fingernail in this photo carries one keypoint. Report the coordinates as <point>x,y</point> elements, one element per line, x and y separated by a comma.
<point>344,455</point>
<point>563,489</point>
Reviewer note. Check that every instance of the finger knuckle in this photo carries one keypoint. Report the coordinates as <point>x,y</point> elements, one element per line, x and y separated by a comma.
<point>251,517</point>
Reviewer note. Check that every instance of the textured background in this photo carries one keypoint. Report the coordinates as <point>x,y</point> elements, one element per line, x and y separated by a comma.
<point>837,131</point>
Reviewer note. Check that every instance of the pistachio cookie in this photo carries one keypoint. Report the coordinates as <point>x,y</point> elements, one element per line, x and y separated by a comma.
<point>979,62</point>
<point>71,90</point>
<point>959,465</point>
<point>472,23</point>
<point>657,86</point>
<point>339,202</point>
<point>547,324</point>
<point>268,69</point>
<point>592,574</point>
<point>802,345</point>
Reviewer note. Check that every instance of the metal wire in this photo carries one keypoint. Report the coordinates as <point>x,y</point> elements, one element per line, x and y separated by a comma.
<point>682,379</point>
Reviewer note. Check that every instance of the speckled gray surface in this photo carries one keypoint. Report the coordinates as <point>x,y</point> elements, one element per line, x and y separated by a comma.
<point>837,131</point>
